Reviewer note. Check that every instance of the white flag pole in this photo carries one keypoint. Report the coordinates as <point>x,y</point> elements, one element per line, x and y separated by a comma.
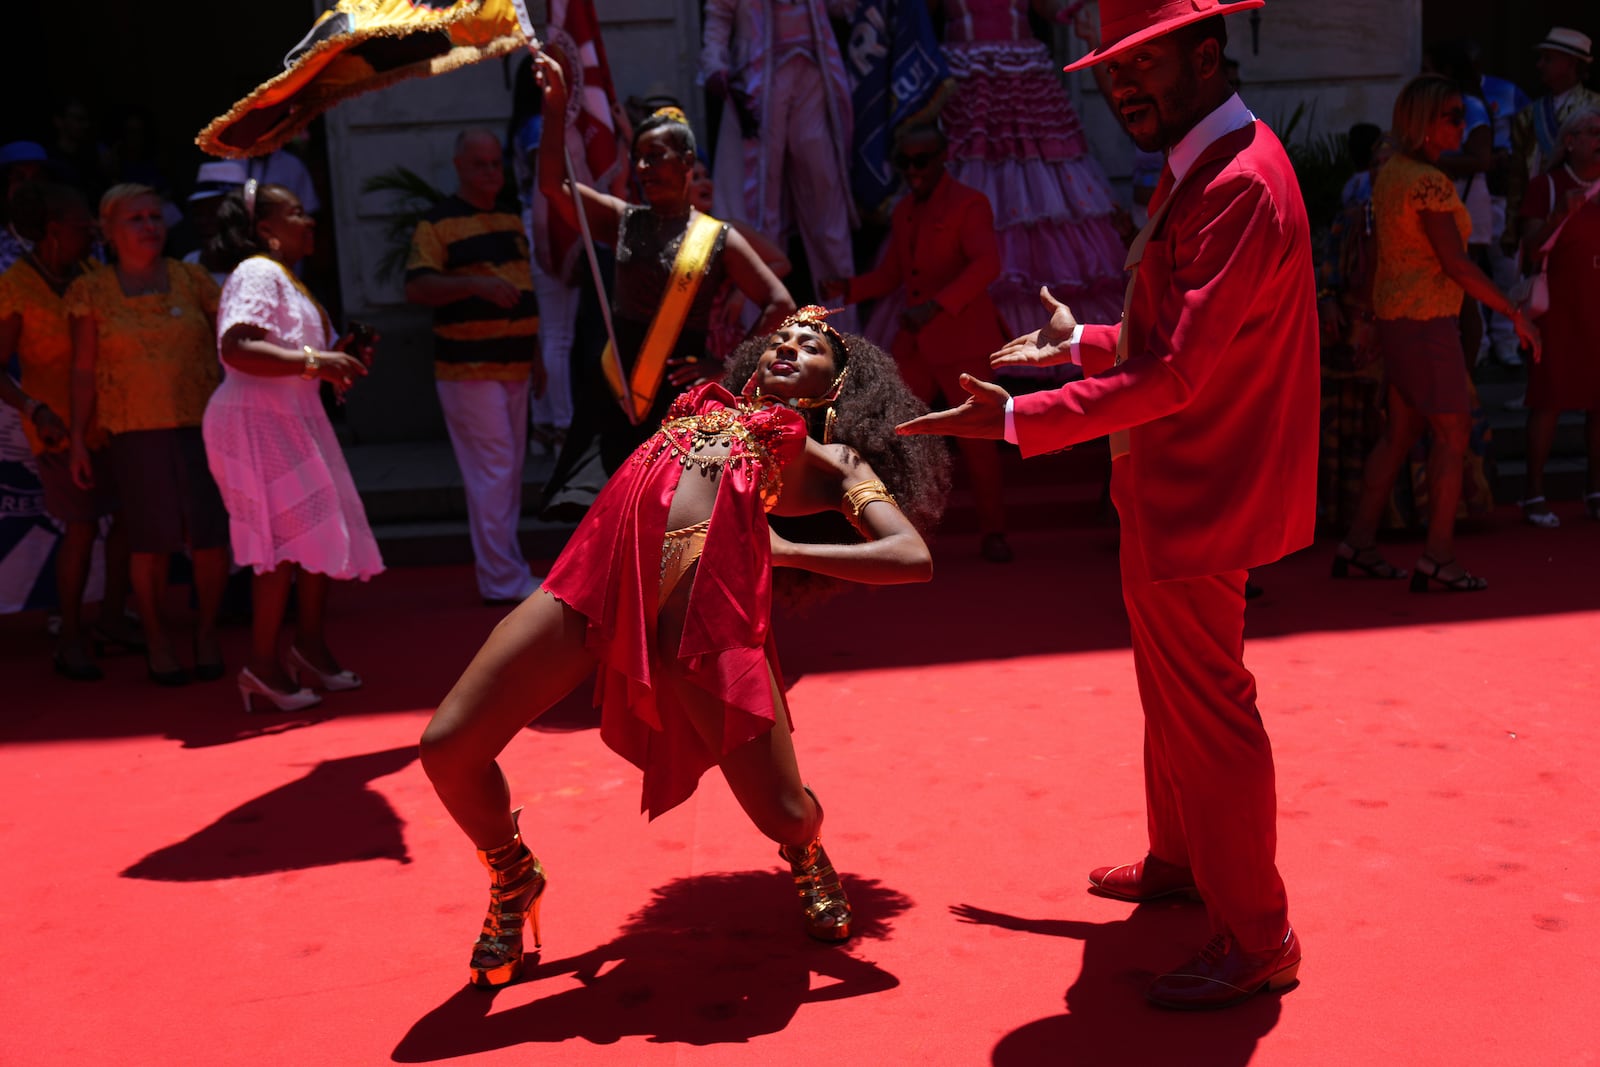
<point>583,217</point>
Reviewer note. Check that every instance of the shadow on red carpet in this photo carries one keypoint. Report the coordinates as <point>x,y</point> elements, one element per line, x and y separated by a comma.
<point>1106,1019</point>
<point>269,834</point>
<point>711,959</point>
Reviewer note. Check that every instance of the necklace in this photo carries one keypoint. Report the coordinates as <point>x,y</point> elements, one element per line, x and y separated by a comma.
<point>1574,175</point>
<point>153,282</point>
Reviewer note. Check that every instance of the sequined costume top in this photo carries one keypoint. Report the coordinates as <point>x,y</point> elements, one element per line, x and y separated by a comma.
<point>610,572</point>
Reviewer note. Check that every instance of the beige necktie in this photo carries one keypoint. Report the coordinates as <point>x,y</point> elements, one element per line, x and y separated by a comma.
<point>1159,202</point>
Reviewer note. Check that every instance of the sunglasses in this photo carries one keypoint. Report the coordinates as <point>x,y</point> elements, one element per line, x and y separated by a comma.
<point>915,160</point>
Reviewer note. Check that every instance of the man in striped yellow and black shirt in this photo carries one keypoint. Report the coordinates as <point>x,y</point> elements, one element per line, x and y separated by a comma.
<point>469,262</point>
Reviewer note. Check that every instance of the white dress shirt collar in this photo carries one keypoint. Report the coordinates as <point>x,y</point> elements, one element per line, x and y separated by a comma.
<point>1231,115</point>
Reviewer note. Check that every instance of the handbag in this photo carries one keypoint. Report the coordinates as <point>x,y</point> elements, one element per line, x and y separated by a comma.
<point>1531,295</point>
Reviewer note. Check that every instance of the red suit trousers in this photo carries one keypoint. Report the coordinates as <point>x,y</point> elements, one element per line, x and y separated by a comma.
<point>1209,782</point>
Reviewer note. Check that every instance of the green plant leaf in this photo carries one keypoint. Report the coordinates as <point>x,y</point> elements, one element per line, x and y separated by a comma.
<point>413,197</point>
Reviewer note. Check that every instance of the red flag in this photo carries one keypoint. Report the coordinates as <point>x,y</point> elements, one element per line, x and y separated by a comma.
<point>574,35</point>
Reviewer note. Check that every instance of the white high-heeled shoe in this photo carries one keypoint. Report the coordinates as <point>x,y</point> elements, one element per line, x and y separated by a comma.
<point>251,687</point>
<point>338,682</point>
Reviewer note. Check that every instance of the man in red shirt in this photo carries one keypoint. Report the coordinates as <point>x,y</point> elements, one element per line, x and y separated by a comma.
<point>943,250</point>
<point>1208,389</point>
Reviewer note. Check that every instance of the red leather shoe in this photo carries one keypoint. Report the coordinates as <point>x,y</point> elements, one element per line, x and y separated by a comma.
<point>1148,879</point>
<point>1222,975</point>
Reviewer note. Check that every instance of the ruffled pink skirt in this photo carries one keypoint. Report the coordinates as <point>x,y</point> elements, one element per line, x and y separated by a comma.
<point>1015,136</point>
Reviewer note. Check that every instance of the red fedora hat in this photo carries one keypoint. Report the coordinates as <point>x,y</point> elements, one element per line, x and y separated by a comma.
<point>1126,24</point>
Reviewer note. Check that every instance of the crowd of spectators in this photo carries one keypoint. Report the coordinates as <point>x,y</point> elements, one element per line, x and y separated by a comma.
<point>1479,197</point>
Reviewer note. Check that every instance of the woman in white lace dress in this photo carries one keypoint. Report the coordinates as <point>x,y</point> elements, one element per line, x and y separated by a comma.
<point>293,512</point>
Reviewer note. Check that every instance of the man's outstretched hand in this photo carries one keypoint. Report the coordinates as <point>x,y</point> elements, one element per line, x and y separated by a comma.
<point>1045,347</point>
<point>982,416</point>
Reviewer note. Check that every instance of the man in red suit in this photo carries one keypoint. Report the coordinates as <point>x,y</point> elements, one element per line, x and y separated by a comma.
<point>943,249</point>
<point>1209,391</point>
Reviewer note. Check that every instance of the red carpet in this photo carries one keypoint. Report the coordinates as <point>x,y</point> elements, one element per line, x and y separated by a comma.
<point>188,885</point>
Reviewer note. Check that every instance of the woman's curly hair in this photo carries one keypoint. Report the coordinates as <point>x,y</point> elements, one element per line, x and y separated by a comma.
<point>872,402</point>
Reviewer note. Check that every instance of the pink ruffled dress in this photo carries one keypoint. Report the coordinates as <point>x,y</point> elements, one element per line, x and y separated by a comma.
<point>1015,136</point>
<point>271,449</point>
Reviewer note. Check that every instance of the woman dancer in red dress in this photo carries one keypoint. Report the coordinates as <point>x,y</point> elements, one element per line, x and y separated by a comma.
<point>687,673</point>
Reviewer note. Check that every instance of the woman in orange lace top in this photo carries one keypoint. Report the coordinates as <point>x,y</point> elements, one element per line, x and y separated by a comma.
<point>33,326</point>
<point>1421,275</point>
<point>144,364</point>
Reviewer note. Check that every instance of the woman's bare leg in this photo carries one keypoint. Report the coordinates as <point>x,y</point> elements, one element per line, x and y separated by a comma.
<point>762,773</point>
<point>1541,437</point>
<point>311,613</point>
<point>148,575</point>
<point>1445,457</point>
<point>210,582</point>
<point>269,595</point>
<point>1401,429</point>
<point>113,622</point>
<point>533,658</point>
<point>72,574</point>
<point>764,777</point>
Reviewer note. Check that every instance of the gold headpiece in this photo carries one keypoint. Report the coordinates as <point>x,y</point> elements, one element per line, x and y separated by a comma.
<point>671,112</point>
<point>815,316</point>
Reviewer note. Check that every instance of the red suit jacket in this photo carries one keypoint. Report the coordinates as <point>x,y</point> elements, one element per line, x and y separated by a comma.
<point>944,250</point>
<point>1220,387</point>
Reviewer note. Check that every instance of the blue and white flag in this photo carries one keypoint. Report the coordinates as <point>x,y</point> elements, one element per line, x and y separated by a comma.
<point>895,70</point>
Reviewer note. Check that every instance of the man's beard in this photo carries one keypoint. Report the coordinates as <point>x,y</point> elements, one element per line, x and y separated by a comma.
<point>1173,113</point>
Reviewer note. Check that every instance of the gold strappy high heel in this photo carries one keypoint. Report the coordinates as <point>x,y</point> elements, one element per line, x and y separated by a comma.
<point>822,898</point>
<point>516,888</point>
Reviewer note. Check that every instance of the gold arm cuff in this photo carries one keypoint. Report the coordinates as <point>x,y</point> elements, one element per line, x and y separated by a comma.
<point>857,497</point>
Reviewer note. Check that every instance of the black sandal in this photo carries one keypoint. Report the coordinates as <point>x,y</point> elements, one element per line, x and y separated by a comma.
<point>1423,579</point>
<point>1366,560</point>
<point>107,642</point>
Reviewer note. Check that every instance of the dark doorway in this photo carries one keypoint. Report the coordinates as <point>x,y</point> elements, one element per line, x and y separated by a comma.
<point>1506,31</point>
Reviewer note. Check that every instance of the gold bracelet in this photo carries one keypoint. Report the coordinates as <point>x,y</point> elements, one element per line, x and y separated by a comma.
<point>857,497</point>
<point>312,362</point>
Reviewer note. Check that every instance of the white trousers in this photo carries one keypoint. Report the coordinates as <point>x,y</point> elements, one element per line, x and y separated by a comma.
<point>488,424</point>
<point>558,320</point>
<point>804,186</point>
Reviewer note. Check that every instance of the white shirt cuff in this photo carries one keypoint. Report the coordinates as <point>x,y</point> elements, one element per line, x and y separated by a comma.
<point>1011,419</point>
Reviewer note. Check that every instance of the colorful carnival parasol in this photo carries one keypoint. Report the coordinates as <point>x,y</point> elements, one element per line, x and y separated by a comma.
<point>358,46</point>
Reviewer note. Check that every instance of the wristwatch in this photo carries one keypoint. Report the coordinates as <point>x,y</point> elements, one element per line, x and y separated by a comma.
<point>309,371</point>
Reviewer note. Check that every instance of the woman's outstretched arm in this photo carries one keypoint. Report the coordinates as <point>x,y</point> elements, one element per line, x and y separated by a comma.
<point>602,211</point>
<point>836,478</point>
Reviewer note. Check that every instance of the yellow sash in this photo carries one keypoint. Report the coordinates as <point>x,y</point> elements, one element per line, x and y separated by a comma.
<point>688,268</point>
